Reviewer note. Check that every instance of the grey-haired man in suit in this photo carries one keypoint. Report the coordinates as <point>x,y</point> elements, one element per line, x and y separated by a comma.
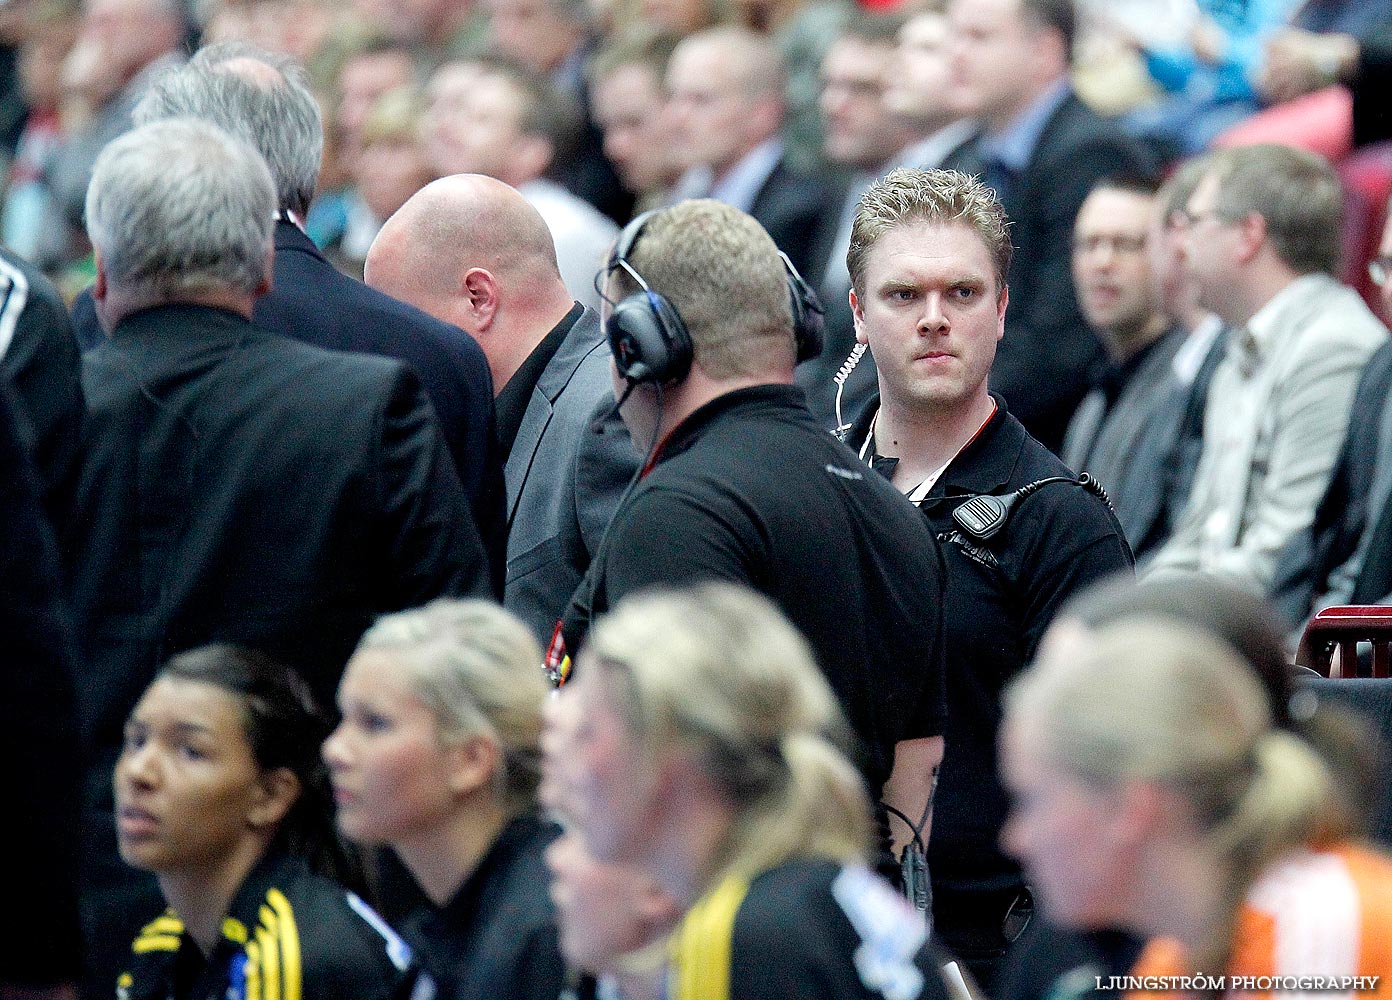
<point>470,250</point>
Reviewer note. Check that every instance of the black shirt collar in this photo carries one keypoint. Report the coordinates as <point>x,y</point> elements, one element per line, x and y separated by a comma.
<point>772,397</point>
<point>1112,381</point>
<point>983,466</point>
<point>511,405</point>
<point>463,908</point>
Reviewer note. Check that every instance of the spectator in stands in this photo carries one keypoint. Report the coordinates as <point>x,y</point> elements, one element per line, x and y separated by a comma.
<point>284,496</point>
<point>389,167</point>
<point>929,256</point>
<point>1041,149</point>
<point>708,755</point>
<point>725,110</point>
<point>507,122</point>
<point>27,213</point>
<point>555,39</point>
<point>743,485</point>
<point>221,794</point>
<point>1153,792</point>
<point>627,92</point>
<point>263,99</point>
<point>613,920</point>
<point>470,250</point>
<point>1263,240</point>
<point>878,114</point>
<point>120,45</point>
<point>435,30</point>
<point>1341,558</point>
<point>378,67</point>
<point>1207,75</point>
<point>1123,432</point>
<point>437,756</point>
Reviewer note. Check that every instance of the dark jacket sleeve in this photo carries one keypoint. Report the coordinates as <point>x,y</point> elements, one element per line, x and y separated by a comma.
<point>426,535</point>
<point>39,734</point>
<point>42,366</point>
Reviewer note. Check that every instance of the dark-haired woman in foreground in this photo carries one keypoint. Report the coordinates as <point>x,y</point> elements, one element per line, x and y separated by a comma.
<point>220,793</point>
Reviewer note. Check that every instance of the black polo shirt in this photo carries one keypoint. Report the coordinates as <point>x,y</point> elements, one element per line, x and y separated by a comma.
<point>750,489</point>
<point>1001,596</point>
<point>811,929</point>
<point>497,936</point>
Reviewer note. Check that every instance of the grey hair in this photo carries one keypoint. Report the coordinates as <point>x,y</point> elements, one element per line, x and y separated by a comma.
<point>271,107</point>
<point>181,205</point>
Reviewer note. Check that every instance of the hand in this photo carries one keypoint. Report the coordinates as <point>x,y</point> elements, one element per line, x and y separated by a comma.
<point>1301,62</point>
<point>1208,40</point>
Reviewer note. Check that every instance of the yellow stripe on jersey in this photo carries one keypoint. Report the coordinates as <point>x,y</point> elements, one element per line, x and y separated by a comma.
<point>155,942</point>
<point>234,930</point>
<point>253,971</point>
<point>270,963</point>
<point>289,944</point>
<point>165,923</point>
<point>703,942</point>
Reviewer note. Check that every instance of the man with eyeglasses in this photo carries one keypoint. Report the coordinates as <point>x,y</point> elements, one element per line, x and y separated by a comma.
<point>1121,429</point>
<point>1263,242</point>
<point>1345,556</point>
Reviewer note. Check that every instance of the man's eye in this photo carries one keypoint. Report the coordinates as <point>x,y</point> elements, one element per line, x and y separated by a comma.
<point>374,722</point>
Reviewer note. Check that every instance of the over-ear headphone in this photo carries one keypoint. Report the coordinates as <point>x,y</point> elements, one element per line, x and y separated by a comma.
<point>648,337</point>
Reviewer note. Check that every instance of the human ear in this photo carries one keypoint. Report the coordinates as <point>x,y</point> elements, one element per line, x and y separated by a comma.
<point>279,790</point>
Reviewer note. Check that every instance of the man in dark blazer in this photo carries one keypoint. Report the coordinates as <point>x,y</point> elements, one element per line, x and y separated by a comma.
<point>234,485</point>
<point>471,250</point>
<point>1042,150</point>
<point>39,360</point>
<point>726,106</point>
<point>264,99</point>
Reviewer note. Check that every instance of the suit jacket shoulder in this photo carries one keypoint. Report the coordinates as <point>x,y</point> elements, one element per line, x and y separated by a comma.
<point>569,465</point>
<point>790,206</point>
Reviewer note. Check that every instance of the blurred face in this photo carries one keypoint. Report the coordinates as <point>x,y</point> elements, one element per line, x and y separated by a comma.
<point>708,108</point>
<point>1111,269</point>
<point>531,32</point>
<point>472,124</point>
<point>931,314</point>
<point>187,788</point>
<point>991,44</point>
<point>859,129</point>
<point>628,107</point>
<point>596,776</point>
<point>1059,830</point>
<point>603,910</point>
<point>364,81</point>
<point>920,74</point>
<point>41,64</point>
<point>390,772</point>
<point>388,173</point>
<point>1212,249</point>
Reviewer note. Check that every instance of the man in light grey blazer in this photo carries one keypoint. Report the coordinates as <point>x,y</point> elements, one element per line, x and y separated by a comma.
<point>1263,242</point>
<point>470,250</point>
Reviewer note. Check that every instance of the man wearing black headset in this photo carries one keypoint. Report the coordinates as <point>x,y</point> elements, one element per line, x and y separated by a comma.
<point>928,260</point>
<point>742,484</point>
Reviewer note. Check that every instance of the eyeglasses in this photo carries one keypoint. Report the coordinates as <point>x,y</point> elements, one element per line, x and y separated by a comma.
<point>1118,244</point>
<point>1186,218</point>
<point>1380,269</point>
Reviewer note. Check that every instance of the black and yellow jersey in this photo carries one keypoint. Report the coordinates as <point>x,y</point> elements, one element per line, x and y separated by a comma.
<point>289,935</point>
<point>815,930</point>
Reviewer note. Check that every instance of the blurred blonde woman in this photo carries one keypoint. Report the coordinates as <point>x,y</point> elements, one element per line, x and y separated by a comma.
<point>437,757</point>
<point>1153,793</point>
<point>701,744</point>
